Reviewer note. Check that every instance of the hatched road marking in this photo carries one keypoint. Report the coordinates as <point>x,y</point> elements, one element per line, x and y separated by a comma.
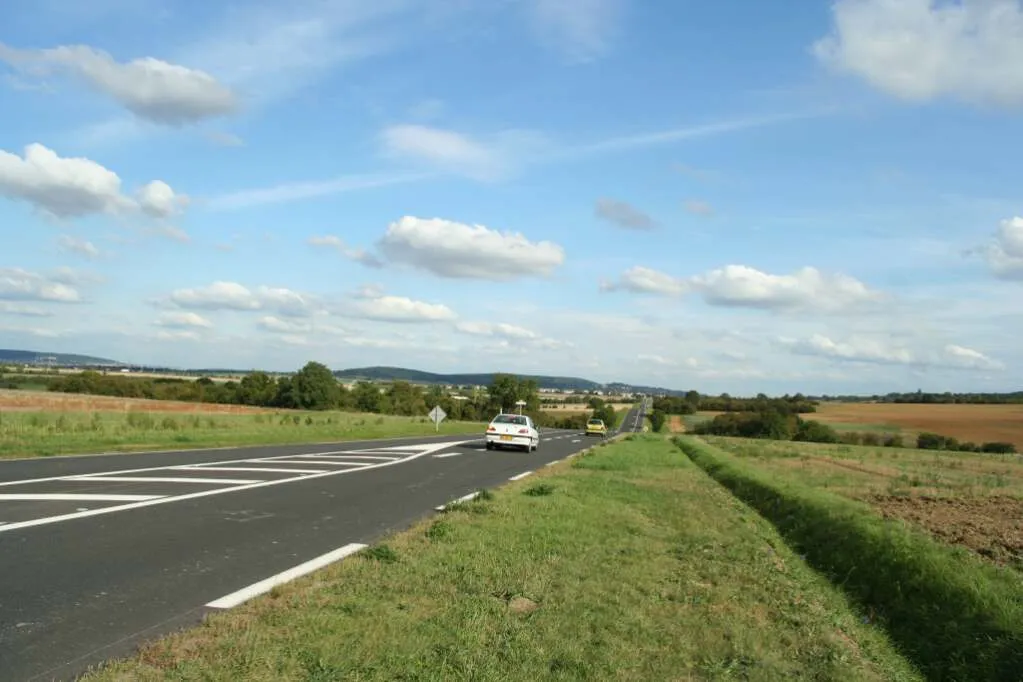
<point>344,464</point>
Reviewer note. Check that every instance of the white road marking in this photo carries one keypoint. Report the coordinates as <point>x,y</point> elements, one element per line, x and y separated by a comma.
<point>423,450</point>
<point>577,440</point>
<point>332,462</point>
<point>550,464</point>
<point>549,439</point>
<point>520,476</point>
<point>256,589</point>
<point>200,467</point>
<point>463,498</point>
<point>84,497</point>
<point>332,458</point>
<point>86,478</point>
<point>448,454</point>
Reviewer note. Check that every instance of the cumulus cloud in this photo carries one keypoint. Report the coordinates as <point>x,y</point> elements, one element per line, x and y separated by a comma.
<point>500,329</point>
<point>743,286</point>
<point>623,214</point>
<point>234,296</point>
<point>386,308</point>
<point>887,352</point>
<point>152,89</point>
<point>81,247</point>
<point>921,50</point>
<point>183,320</point>
<point>71,187</point>
<point>337,244</point>
<point>160,201</point>
<point>17,284</point>
<point>583,29</point>
<point>1005,254</point>
<point>455,250</point>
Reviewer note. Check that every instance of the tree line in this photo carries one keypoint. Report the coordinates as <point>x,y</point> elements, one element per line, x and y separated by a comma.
<point>314,387</point>
<point>692,402</point>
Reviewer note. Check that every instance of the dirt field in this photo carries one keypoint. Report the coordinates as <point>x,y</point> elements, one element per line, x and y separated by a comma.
<point>40,401</point>
<point>975,423</point>
<point>675,424</point>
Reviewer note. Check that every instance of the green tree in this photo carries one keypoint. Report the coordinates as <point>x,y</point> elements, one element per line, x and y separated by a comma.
<point>257,388</point>
<point>657,420</point>
<point>507,389</point>
<point>315,388</point>
<point>366,397</point>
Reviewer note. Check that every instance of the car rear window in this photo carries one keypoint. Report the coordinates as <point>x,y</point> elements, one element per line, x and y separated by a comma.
<point>510,419</point>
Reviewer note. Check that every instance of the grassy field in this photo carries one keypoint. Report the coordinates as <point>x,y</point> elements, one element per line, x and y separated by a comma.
<point>953,614</point>
<point>966,499</point>
<point>41,434</point>
<point>630,564</point>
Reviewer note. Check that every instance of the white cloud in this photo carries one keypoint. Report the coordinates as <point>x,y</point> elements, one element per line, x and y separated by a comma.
<point>642,280</point>
<point>160,201</point>
<point>500,329</point>
<point>889,352</point>
<point>67,187</point>
<point>296,191</point>
<point>1005,254</point>
<point>176,335</point>
<point>152,89</point>
<point>921,50</point>
<point>171,232</point>
<point>385,308</point>
<point>234,296</point>
<point>336,243</point>
<point>743,286</point>
<point>183,320</point>
<point>583,29</point>
<point>449,249</point>
<point>623,214</point>
<point>279,326</point>
<point>492,159</point>
<point>7,308</point>
<point>78,246</point>
<point>17,284</point>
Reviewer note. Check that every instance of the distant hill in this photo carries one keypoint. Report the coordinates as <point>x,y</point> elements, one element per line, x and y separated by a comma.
<point>31,357</point>
<point>416,376</point>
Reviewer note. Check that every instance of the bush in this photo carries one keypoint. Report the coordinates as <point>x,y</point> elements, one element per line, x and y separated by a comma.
<point>930,441</point>
<point>894,441</point>
<point>657,420</point>
<point>999,448</point>
<point>816,432</point>
<point>871,439</point>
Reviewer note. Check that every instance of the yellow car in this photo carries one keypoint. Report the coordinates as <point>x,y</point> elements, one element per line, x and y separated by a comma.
<point>596,427</point>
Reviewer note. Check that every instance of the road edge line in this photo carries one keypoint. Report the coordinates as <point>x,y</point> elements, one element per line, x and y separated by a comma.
<point>519,477</point>
<point>464,498</point>
<point>263,586</point>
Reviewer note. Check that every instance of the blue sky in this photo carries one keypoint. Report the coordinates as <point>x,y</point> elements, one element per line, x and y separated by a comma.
<point>736,196</point>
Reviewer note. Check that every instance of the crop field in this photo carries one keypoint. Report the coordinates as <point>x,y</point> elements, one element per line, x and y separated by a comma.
<point>963,499</point>
<point>45,401</point>
<point>973,423</point>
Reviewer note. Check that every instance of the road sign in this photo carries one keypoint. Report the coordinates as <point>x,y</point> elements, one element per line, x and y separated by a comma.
<point>437,414</point>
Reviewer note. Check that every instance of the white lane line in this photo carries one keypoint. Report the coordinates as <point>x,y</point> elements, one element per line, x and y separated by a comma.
<point>463,498</point>
<point>448,454</point>
<point>200,467</point>
<point>519,477</point>
<point>205,493</point>
<point>57,497</point>
<point>161,479</point>
<point>333,462</point>
<point>550,464</point>
<point>577,440</point>
<point>327,458</point>
<point>256,589</point>
<point>547,439</point>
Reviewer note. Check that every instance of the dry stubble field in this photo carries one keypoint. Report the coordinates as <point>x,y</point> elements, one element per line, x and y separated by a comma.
<point>42,401</point>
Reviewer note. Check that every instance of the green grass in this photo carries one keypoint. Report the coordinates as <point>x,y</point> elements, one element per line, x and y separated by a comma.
<point>862,471</point>
<point>630,564</point>
<point>40,434</point>
<point>952,614</point>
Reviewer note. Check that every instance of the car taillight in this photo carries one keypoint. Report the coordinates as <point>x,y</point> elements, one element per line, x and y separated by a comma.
<point>491,428</point>
<point>523,430</point>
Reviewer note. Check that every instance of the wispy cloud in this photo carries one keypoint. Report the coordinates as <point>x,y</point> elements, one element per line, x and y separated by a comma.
<point>582,29</point>
<point>294,191</point>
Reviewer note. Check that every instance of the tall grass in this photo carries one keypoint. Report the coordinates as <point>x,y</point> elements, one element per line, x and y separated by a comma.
<point>956,617</point>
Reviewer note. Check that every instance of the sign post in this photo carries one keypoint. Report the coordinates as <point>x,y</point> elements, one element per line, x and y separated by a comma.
<point>437,414</point>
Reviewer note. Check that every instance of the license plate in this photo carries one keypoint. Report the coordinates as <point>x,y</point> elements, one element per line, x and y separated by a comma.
<point>506,437</point>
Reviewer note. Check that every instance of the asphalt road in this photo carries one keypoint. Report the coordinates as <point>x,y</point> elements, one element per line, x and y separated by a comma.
<point>100,553</point>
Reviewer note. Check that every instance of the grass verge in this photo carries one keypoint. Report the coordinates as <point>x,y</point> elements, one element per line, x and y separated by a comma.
<point>40,434</point>
<point>955,617</point>
<point>629,564</point>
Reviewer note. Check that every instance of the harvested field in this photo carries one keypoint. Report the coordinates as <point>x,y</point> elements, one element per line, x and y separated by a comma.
<point>973,423</point>
<point>989,526</point>
<point>40,401</point>
<point>675,424</point>
<point>967,499</point>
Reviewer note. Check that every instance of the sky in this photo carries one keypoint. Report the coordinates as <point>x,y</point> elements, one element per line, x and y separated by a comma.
<point>737,196</point>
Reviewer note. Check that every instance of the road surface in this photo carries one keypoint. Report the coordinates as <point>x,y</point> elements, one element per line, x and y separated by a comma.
<point>102,552</point>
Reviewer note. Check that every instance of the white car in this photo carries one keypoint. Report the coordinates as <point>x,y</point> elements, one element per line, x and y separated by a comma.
<point>517,430</point>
